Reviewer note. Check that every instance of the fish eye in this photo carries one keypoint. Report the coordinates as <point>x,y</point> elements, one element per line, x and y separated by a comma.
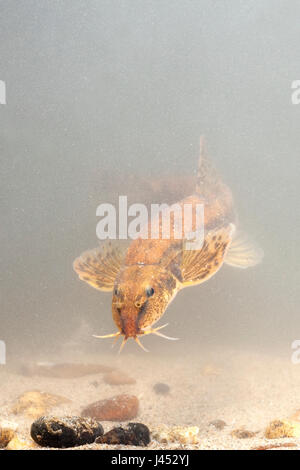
<point>149,291</point>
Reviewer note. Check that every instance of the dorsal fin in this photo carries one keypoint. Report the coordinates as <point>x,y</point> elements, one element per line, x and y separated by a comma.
<point>208,180</point>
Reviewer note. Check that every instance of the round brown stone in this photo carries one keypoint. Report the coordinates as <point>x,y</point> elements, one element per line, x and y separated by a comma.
<point>118,408</point>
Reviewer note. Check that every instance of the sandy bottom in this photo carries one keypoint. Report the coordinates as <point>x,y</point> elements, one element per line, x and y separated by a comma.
<point>244,389</point>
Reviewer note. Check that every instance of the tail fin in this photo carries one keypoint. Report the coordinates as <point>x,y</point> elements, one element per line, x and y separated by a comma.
<point>208,179</point>
<point>243,253</point>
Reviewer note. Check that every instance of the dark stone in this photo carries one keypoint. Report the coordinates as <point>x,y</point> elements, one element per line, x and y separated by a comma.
<point>136,434</point>
<point>95,383</point>
<point>161,388</point>
<point>218,424</point>
<point>69,431</point>
<point>242,433</point>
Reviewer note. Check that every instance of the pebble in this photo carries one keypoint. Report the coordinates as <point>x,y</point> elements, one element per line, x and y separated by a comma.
<point>242,433</point>
<point>218,424</point>
<point>7,432</point>
<point>34,403</point>
<point>69,431</point>
<point>181,434</point>
<point>135,434</point>
<point>20,444</point>
<point>118,378</point>
<point>95,383</point>
<point>161,388</point>
<point>118,408</point>
<point>282,428</point>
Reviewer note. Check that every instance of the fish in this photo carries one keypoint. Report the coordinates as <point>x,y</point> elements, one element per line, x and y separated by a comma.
<point>146,276</point>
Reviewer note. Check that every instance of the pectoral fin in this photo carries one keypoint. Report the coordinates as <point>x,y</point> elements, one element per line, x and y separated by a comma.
<point>243,253</point>
<point>100,266</point>
<point>199,265</point>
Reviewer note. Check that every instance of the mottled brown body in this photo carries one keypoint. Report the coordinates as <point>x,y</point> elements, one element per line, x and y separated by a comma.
<point>146,277</point>
<point>218,212</point>
<point>132,309</point>
<point>157,263</point>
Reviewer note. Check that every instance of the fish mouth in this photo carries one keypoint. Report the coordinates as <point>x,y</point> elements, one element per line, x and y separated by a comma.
<point>142,332</point>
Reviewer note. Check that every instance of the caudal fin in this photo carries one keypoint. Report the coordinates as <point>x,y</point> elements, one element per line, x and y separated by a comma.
<point>243,252</point>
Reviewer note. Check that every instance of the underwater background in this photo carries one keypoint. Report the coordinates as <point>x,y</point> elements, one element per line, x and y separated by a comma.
<point>106,98</point>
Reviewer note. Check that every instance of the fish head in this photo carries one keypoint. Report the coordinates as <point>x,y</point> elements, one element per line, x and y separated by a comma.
<point>140,297</point>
